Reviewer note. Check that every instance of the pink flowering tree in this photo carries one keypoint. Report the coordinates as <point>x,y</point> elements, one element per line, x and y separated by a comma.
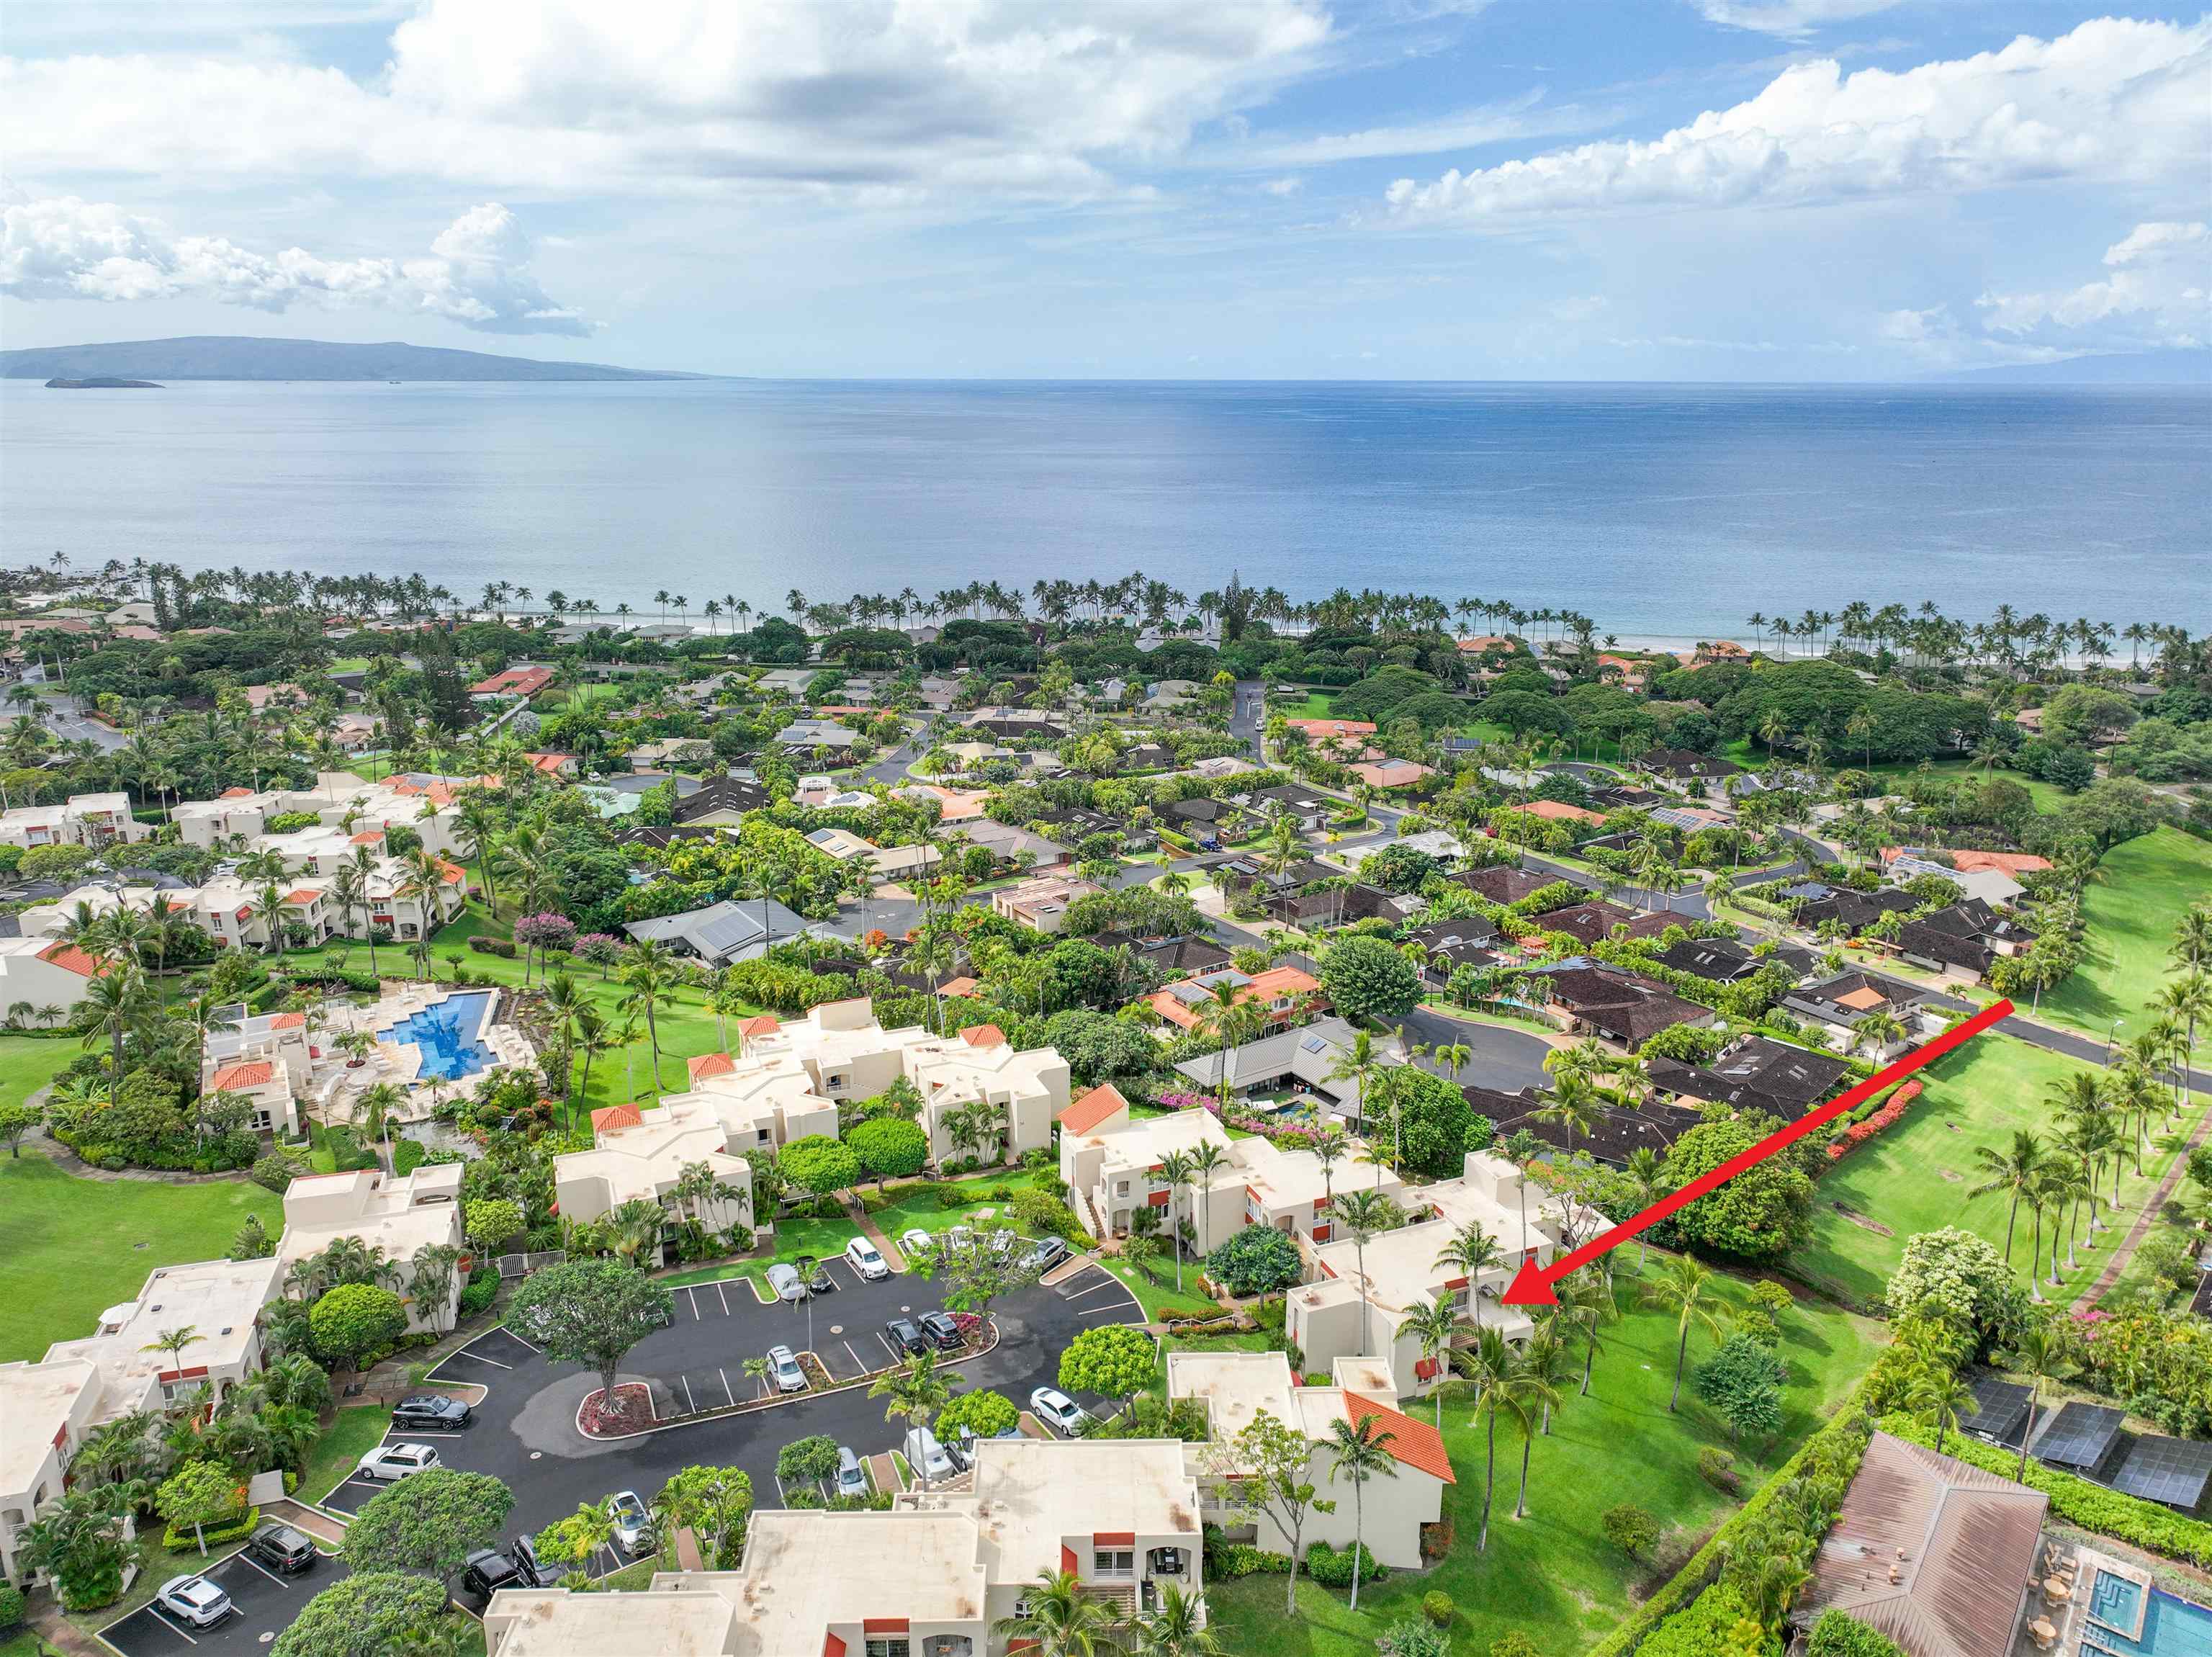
<point>543,934</point>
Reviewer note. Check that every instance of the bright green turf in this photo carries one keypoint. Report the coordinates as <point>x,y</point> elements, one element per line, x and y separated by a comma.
<point>2141,892</point>
<point>73,1246</point>
<point>1553,1575</point>
<point>29,1063</point>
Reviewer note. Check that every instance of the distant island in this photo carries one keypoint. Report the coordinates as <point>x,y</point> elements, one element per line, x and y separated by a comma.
<point>2159,367</point>
<point>227,357</point>
<point>102,382</point>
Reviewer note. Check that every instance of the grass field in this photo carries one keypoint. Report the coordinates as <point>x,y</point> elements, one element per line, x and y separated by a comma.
<point>1915,1177</point>
<point>355,1429</point>
<point>75,1248</point>
<point>2143,888</point>
<point>29,1063</point>
<point>1552,1576</point>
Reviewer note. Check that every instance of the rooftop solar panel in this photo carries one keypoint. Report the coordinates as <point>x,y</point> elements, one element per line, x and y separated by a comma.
<point>2202,1304</point>
<point>2003,1416</point>
<point>2171,1470</point>
<point>2079,1435</point>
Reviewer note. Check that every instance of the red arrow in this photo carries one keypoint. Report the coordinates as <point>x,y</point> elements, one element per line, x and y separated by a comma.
<point>1532,1284</point>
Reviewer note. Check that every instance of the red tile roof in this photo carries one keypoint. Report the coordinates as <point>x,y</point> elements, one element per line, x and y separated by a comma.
<point>367,838</point>
<point>236,794</point>
<point>710,1064</point>
<point>1093,1108</point>
<point>303,895</point>
<point>984,1035</point>
<point>1415,1443</point>
<point>1332,727</point>
<point>288,1021</point>
<point>1557,812</point>
<point>254,1073</point>
<point>514,681</point>
<point>550,763</point>
<point>765,1023</point>
<point>609,1116</point>
<point>2005,862</point>
<point>71,959</point>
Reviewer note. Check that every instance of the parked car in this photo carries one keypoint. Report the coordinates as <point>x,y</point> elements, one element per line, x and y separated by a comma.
<point>866,1260</point>
<point>783,1368</point>
<point>194,1601</point>
<point>916,1241</point>
<point>1004,1241</point>
<point>785,1283</point>
<point>393,1461</point>
<point>942,1332</point>
<point>633,1522</point>
<point>490,1569</point>
<point>905,1336</point>
<point>1044,1254</point>
<point>963,1441</point>
<point>851,1476</point>
<point>926,1455</point>
<point>1053,1407</point>
<point>819,1280</point>
<point>427,1412</point>
<point>282,1550</point>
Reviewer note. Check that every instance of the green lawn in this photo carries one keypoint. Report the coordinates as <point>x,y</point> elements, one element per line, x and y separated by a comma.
<point>1553,1575</point>
<point>29,1063</point>
<point>356,1428</point>
<point>76,1246</point>
<point>1915,1177</point>
<point>2143,889</point>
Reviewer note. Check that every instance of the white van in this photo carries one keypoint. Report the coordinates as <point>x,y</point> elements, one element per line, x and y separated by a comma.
<point>926,1456</point>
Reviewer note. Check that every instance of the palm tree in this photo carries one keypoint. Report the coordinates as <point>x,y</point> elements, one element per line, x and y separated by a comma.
<point>375,1107</point>
<point>2016,1169</point>
<point>2043,1352</point>
<point>1575,1106</point>
<point>172,1342</point>
<point>917,1392</point>
<point>1688,1288</point>
<point>1174,1171</point>
<point>431,1282</point>
<point>1207,1158</point>
<point>1936,1393</point>
<point>1329,1144</point>
<point>1471,1251</point>
<point>1061,1619</point>
<point>652,975</point>
<point>1491,1362</point>
<point>1363,1215</point>
<point>1435,1325</point>
<point>1647,1178</point>
<point>1177,1628</point>
<point>1586,1303</point>
<point>1529,1394</point>
<point>1358,1450</point>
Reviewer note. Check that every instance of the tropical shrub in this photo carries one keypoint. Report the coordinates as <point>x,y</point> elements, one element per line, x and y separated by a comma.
<point>354,1320</point>
<point>1437,1605</point>
<point>1836,1635</point>
<point>1332,1569</point>
<point>1960,1276</point>
<point>1256,1260</point>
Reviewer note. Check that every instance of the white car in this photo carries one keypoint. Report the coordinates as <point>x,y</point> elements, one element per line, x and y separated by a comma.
<point>1050,1405</point>
<point>783,1368</point>
<point>865,1259</point>
<point>633,1522</point>
<point>194,1601</point>
<point>926,1455</point>
<point>397,1461</point>
<point>915,1242</point>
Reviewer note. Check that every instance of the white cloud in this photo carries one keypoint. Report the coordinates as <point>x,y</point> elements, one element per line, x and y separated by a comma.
<point>1283,187</point>
<point>1788,17</point>
<point>2158,294</point>
<point>1468,129</point>
<point>477,272</point>
<point>2115,99</point>
<point>900,95</point>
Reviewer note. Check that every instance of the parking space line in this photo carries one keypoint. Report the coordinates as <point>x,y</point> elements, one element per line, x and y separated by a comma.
<point>732,1396</point>
<point>478,1357</point>
<point>517,1339</point>
<point>1098,1311</point>
<point>1111,1282</point>
<point>861,1368</point>
<point>694,1296</point>
<point>271,1575</point>
<point>890,1347</point>
<point>686,1379</point>
<point>172,1624</point>
<point>723,1297</point>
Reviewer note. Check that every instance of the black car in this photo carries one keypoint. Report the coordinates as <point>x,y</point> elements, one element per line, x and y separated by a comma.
<point>282,1550</point>
<point>427,1412</point>
<point>905,1336</point>
<point>822,1282</point>
<point>942,1332</point>
<point>489,1570</point>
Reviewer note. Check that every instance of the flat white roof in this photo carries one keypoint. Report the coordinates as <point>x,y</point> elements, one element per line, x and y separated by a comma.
<point>804,1571</point>
<point>554,1623</point>
<point>1030,1494</point>
<point>35,1402</point>
<point>218,1298</point>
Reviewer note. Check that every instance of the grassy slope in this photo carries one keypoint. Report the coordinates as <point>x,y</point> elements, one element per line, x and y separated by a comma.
<point>29,1063</point>
<point>2147,883</point>
<point>76,1246</point>
<point>1915,1177</point>
<point>352,1432</point>
<point>1553,1575</point>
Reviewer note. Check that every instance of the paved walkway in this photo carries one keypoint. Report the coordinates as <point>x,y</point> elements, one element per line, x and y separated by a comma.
<point>2147,1218</point>
<point>860,1216</point>
<point>61,1634</point>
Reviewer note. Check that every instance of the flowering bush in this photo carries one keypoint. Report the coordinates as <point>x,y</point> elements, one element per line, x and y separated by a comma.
<point>970,1326</point>
<point>1859,1132</point>
<point>1184,1102</point>
<point>546,931</point>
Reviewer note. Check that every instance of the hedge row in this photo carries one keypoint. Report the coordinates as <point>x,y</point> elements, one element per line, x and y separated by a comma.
<point>1691,1580</point>
<point>2092,1507</point>
<point>177,1537</point>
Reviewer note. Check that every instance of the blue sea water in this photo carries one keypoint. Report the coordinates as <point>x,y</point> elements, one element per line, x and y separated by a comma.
<point>1660,510</point>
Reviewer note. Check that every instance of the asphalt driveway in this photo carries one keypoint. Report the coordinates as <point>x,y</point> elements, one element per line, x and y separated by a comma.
<point>266,1603</point>
<point>525,1433</point>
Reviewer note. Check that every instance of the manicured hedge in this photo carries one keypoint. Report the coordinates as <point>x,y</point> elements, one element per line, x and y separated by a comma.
<point>502,948</point>
<point>177,1537</point>
<point>1839,1636</point>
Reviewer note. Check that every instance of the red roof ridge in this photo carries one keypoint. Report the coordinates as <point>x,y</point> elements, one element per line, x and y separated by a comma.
<point>984,1035</point>
<point>1093,1108</point>
<point>710,1064</point>
<point>616,1116</point>
<point>1415,1443</point>
<point>252,1073</point>
<point>71,959</point>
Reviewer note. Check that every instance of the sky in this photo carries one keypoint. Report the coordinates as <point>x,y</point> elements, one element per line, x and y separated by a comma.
<point>1706,190</point>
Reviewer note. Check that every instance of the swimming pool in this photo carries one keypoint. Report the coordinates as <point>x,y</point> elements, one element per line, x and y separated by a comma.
<point>447,1035</point>
<point>2170,1627</point>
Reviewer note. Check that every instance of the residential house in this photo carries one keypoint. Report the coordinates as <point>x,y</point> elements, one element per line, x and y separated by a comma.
<point>1835,1006</point>
<point>720,802</point>
<point>1330,730</point>
<point>220,1300</point>
<point>1016,724</point>
<point>1854,911</point>
<point>1345,1312</point>
<point>1340,903</point>
<point>1220,765</point>
<point>1308,808</point>
<point>518,683</point>
<point>1502,883</point>
<point>397,1216</point>
<point>1597,920</point>
<point>1009,843</point>
<point>1554,811</point>
<point>1173,957</point>
<point>820,739</point>
<point>1969,937</point>
<point>49,1409</point>
<point>1439,843</point>
<point>1716,960</point>
<point>888,862</point>
<point>724,932</point>
<point>1616,1006</point>
<point>1386,774</point>
<point>640,1152</point>
<point>1166,695</point>
<point>1284,992</point>
<point>670,753</point>
<point>1302,1059</point>
<point>1620,1132</point>
<point>39,972</point>
<point>1237,1388</point>
<point>1681,766</point>
<point>1755,1073</point>
<point>1446,946</point>
<point>1041,903</point>
<point>1146,757</point>
<point>94,821</point>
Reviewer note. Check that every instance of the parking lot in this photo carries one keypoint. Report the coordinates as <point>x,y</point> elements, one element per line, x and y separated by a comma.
<point>525,1432</point>
<point>265,1605</point>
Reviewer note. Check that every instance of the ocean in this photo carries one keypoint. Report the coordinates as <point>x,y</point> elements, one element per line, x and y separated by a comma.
<point>1661,511</point>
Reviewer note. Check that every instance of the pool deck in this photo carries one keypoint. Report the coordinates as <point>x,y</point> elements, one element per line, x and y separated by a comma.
<point>402,1061</point>
<point>2069,1618</point>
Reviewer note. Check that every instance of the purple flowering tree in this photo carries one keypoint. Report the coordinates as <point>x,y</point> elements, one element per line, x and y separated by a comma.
<point>543,934</point>
<point>602,949</point>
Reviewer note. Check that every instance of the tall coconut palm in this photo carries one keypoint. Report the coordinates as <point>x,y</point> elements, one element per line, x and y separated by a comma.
<point>1363,1215</point>
<point>1061,1618</point>
<point>1435,1324</point>
<point>1177,1628</point>
<point>1207,1159</point>
<point>431,1278</point>
<point>2042,1351</point>
<point>1688,1288</point>
<point>1937,1393</point>
<point>1357,1451</point>
<point>1528,1396</point>
<point>1647,1179</point>
<point>1174,1171</point>
<point>1489,1363</point>
<point>1469,1253</point>
<point>1586,1303</point>
<point>2013,1168</point>
<point>914,1392</point>
<point>651,974</point>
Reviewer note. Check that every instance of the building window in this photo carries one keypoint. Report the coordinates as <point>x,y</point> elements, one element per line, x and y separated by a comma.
<point>893,1647</point>
<point>1113,1564</point>
<point>948,1645</point>
<point>1165,1561</point>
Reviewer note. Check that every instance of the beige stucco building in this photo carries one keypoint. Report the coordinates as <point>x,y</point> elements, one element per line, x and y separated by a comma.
<point>397,1216</point>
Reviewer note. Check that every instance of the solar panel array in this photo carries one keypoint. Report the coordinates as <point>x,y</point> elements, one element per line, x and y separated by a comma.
<point>2171,1470</point>
<point>2080,1436</point>
<point>2003,1413</point>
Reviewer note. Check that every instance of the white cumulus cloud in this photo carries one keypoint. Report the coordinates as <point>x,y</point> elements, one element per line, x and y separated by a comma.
<point>998,96</point>
<point>2114,99</point>
<point>1788,17</point>
<point>2158,294</point>
<point>476,273</point>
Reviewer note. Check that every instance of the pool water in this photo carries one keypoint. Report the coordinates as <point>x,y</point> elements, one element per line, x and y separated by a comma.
<point>2172,1627</point>
<point>446,1034</point>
